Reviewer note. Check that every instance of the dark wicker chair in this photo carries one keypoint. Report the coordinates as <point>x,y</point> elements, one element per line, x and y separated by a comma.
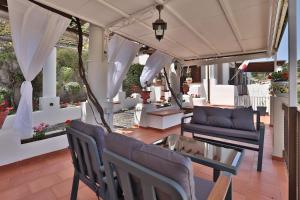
<point>87,161</point>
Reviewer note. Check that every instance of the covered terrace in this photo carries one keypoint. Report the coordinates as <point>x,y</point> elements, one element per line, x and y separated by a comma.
<point>209,34</point>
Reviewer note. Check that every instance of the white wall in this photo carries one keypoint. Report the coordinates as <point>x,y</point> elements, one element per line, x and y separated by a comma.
<point>223,95</point>
<point>11,149</point>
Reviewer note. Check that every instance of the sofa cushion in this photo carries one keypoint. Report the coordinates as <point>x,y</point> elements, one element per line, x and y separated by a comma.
<point>219,132</point>
<point>199,115</point>
<point>242,118</point>
<point>219,121</point>
<point>121,144</point>
<point>213,116</point>
<point>215,111</point>
<point>167,163</point>
<point>96,132</point>
<point>202,188</point>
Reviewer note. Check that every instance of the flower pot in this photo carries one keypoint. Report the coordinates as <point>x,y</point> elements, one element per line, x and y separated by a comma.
<point>185,88</point>
<point>280,88</point>
<point>145,95</point>
<point>3,116</point>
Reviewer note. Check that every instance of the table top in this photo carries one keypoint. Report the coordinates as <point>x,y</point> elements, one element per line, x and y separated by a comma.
<point>215,155</point>
<point>165,112</point>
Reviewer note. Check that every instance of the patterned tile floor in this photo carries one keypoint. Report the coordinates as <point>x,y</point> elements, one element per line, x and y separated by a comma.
<point>49,177</point>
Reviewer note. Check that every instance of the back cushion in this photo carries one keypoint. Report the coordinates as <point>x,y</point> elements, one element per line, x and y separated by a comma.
<point>121,145</point>
<point>96,132</point>
<point>212,116</point>
<point>219,117</point>
<point>199,115</point>
<point>169,164</point>
<point>242,119</point>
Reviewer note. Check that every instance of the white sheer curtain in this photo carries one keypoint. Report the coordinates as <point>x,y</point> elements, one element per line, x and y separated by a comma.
<point>35,31</point>
<point>121,53</point>
<point>154,64</point>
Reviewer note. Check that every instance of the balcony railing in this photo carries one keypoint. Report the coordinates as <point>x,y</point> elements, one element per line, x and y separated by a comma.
<point>254,101</point>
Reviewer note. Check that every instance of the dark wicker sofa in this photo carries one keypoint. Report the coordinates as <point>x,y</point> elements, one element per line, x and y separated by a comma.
<point>230,124</point>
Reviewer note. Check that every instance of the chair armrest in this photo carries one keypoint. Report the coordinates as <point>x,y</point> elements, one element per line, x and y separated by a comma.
<point>258,124</point>
<point>261,129</point>
<point>221,187</point>
<point>185,117</point>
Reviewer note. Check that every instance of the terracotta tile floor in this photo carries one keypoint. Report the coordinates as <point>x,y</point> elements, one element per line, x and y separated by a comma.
<point>49,176</point>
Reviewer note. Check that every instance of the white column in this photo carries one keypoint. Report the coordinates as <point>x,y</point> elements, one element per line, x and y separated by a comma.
<point>49,99</point>
<point>292,31</point>
<point>97,72</point>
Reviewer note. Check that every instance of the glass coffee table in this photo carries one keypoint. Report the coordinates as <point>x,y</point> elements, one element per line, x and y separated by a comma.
<point>216,155</point>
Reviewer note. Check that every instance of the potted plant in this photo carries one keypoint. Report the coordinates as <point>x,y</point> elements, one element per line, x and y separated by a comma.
<point>40,131</point>
<point>145,94</point>
<point>279,83</point>
<point>4,111</point>
<point>185,87</point>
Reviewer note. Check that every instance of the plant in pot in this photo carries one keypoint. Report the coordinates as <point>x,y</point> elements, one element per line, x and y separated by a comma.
<point>279,83</point>
<point>145,93</point>
<point>40,131</point>
<point>185,87</point>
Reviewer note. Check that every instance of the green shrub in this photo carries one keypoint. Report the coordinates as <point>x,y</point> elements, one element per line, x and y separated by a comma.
<point>72,88</point>
<point>132,78</point>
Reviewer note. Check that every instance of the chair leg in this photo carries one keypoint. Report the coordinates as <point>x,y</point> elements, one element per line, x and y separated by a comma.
<point>75,186</point>
<point>260,153</point>
<point>181,131</point>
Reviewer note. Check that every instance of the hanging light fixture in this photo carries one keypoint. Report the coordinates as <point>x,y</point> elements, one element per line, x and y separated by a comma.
<point>159,26</point>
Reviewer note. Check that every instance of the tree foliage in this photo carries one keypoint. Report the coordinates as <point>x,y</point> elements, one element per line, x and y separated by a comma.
<point>132,78</point>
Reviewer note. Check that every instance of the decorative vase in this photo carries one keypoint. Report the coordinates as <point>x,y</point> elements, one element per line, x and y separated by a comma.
<point>185,88</point>
<point>280,88</point>
<point>3,116</point>
<point>145,95</point>
<point>189,80</point>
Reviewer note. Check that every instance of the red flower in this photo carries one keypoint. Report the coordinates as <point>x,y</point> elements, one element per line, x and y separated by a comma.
<point>68,122</point>
<point>285,75</point>
<point>269,76</point>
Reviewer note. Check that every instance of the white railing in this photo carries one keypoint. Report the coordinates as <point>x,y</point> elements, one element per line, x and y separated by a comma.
<point>253,101</point>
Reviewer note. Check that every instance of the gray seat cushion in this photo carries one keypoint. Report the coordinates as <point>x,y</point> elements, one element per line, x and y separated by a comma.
<point>96,132</point>
<point>242,118</point>
<point>202,188</point>
<point>219,132</point>
<point>169,164</point>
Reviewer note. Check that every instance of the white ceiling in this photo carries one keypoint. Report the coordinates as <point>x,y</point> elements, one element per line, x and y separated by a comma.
<point>197,29</point>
